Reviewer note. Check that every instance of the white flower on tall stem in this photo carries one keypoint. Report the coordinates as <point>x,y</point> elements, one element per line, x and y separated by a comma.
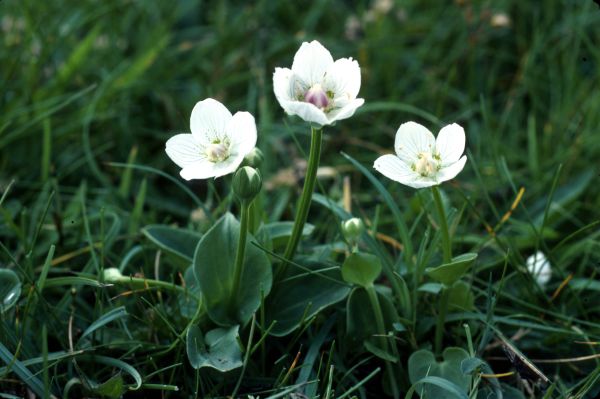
<point>421,160</point>
<point>539,267</point>
<point>317,89</point>
<point>217,144</point>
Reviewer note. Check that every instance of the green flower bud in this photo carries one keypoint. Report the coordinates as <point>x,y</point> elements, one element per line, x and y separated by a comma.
<point>246,183</point>
<point>254,158</point>
<point>352,229</point>
<point>112,275</point>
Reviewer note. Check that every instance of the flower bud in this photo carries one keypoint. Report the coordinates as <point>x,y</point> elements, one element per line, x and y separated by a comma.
<point>246,183</point>
<point>112,275</point>
<point>254,158</point>
<point>352,229</point>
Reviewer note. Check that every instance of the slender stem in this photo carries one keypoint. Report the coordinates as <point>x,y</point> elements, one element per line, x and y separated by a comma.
<point>241,248</point>
<point>446,244</point>
<point>144,282</point>
<point>305,198</point>
<point>441,320</point>
<point>381,331</point>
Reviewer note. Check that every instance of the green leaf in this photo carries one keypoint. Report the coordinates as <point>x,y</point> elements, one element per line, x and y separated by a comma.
<point>461,297</point>
<point>16,366</point>
<point>10,289</point>
<point>111,388</point>
<point>444,389</point>
<point>584,284</point>
<point>188,301</point>
<point>278,232</point>
<point>448,273</point>
<point>303,294</point>
<point>214,263</point>
<point>106,318</point>
<point>361,269</point>
<point>179,242</point>
<point>432,288</point>
<point>422,364</point>
<point>219,349</point>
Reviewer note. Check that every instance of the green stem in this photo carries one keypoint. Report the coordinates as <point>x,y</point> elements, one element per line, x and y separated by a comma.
<point>306,197</point>
<point>441,320</point>
<point>138,282</point>
<point>447,245</point>
<point>241,248</point>
<point>381,331</point>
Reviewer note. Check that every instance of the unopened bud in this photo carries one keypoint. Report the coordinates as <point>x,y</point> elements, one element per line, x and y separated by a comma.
<point>352,228</point>
<point>246,183</point>
<point>254,158</point>
<point>112,275</point>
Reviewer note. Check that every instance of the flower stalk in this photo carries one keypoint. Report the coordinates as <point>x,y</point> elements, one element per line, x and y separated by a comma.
<point>446,244</point>
<point>241,249</point>
<point>376,307</point>
<point>306,197</point>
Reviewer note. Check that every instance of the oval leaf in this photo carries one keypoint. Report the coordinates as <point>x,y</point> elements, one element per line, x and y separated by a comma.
<point>10,289</point>
<point>214,264</point>
<point>179,242</point>
<point>218,350</point>
<point>422,364</point>
<point>303,294</point>
<point>448,273</point>
<point>361,269</point>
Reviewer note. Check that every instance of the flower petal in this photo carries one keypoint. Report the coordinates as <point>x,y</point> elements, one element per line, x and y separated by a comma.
<point>450,171</point>
<point>345,112</point>
<point>539,266</point>
<point>184,150</point>
<point>311,62</point>
<point>241,130</point>
<point>306,111</point>
<point>412,139</point>
<point>283,84</point>
<point>394,168</point>
<point>450,143</point>
<point>343,79</point>
<point>205,169</point>
<point>208,121</point>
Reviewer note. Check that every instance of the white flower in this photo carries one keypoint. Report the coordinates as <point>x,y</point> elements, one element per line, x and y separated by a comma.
<point>217,144</point>
<point>317,89</point>
<point>421,160</point>
<point>539,266</point>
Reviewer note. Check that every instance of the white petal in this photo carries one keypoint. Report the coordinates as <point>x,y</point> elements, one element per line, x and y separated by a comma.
<point>450,143</point>
<point>208,121</point>
<point>241,130</point>
<point>394,168</point>
<point>343,79</point>
<point>539,266</point>
<point>205,169</point>
<point>346,112</point>
<point>184,150</point>
<point>412,139</point>
<point>311,62</point>
<point>450,171</point>
<point>282,84</point>
<point>306,111</point>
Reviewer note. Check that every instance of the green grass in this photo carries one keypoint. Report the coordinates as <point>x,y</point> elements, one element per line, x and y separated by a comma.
<point>89,89</point>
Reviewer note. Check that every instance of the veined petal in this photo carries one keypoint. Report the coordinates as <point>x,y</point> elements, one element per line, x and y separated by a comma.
<point>184,150</point>
<point>208,121</point>
<point>450,171</point>
<point>412,139</point>
<point>345,112</point>
<point>394,168</point>
<point>283,84</point>
<point>343,79</point>
<point>241,130</point>
<point>203,169</point>
<point>311,62</point>
<point>450,143</point>
<point>306,111</point>
<point>228,166</point>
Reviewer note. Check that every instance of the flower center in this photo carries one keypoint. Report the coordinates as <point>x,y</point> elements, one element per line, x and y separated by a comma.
<point>217,151</point>
<point>427,164</point>
<point>317,97</point>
